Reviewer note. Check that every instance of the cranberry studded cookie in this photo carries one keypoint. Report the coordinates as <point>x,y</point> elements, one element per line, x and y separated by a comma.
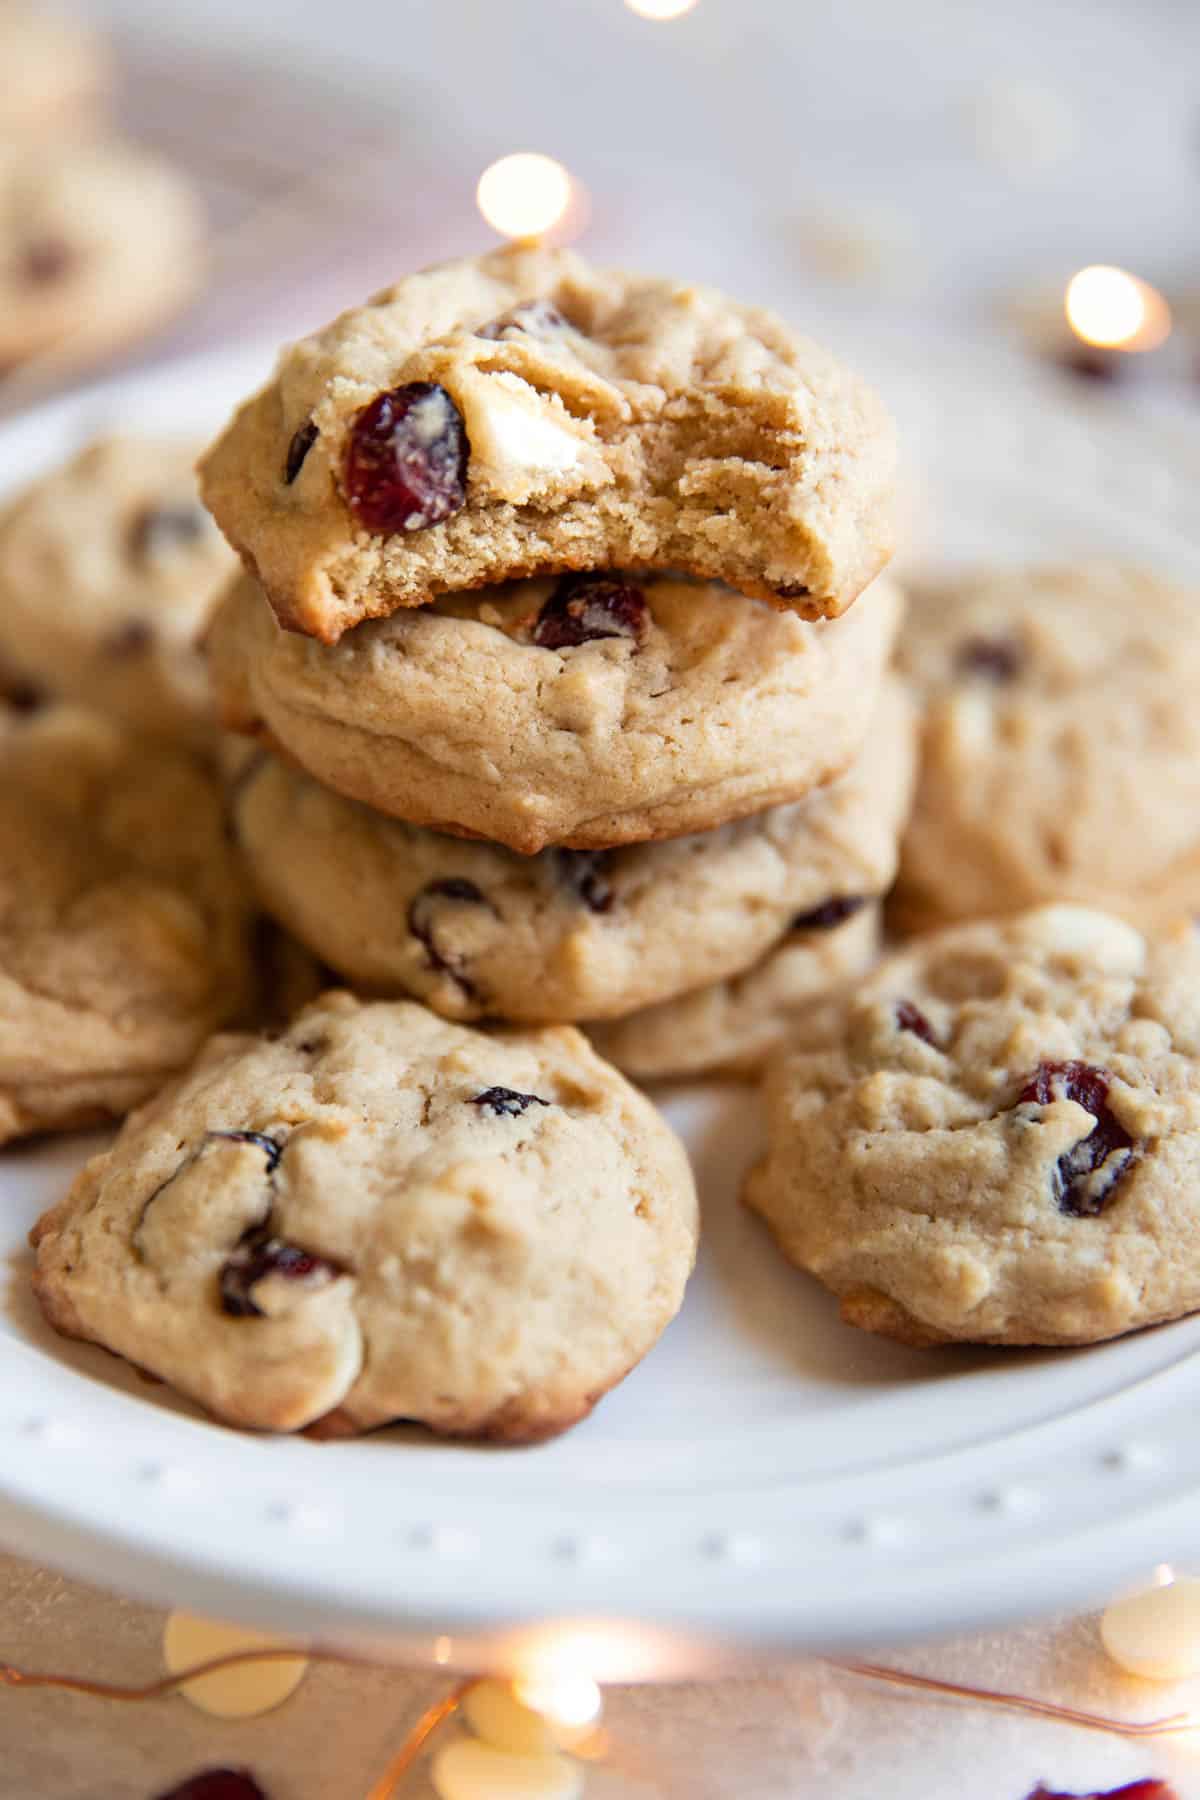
<point>523,413</point>
<point>1061,746</point>
<point>99,244</point>
<point>477,931</point>
<point>123,919</point>
<point>109,568</point>
<point>592,711</point>
<point>379,1216</point>
<point>996,1138</point>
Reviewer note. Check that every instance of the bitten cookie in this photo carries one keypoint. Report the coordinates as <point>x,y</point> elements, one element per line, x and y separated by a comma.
<point>99,244</point>
<point>996,1138</point>
<point>733,1027</point>
<point>1061,746</point>
<point>522,412</point>
<point>109,567</point>
<point>123,919</point>
<point>591,712</point>
<point>478,931</point>
<point>382,1216</point>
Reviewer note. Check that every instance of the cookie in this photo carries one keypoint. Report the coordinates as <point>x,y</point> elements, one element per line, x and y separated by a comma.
<point>123,919</point>
<point>478,931</point>
<point>1061,746</point>
<point>733,1027</point>
<point>57,72</point>
<point>99,244</point>
<point>523,413</point>
<point>382,1216</point>
<point>588,712</point>
<point>109,567</point>
<point>996,1138</point>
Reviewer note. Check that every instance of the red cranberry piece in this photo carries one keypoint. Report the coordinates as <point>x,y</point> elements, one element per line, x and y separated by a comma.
<point>217,1784</point>
<point>995,659</point>
<point>911,1018</point>
<point>302,442</point>
<point>587,871</point>
<point>506,1102</point>
<point>793,590</point>
<point>271,1147</point>
<point>163,530</point>
<point>406,467</point>
<point>422,910</point>
<point>831,913</point>
<point>533,318</point>
<point>585,607</point>
<point>1149,1788</point>
<point>258,1255</point>
<point>1086,1176</point>
<point>47,260</point>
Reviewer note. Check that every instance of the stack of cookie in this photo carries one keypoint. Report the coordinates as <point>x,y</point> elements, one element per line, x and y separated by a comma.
<point>566,723</point>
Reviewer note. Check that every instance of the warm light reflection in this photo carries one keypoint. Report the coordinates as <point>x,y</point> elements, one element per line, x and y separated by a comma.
<point>563,1696</point>
<point>1164,1575</point>
<point>660,9</point>
<point>524,195</point>
<point>1114,310</point>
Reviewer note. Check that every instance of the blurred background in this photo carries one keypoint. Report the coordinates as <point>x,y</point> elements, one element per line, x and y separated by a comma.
<point>937,169</point>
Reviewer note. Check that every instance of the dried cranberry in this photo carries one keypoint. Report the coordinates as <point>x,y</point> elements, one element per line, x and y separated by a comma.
<point>217,1784</point>
<point>831,913</point>
<point>1149,1788</point>
<point>911,1018</point>
<point>421,910</point>
<point>258,1255</point>
<point>585,607</point>
<point>1095,364</point>
<point>793,590</point>
<point>133,638</point>
<point>271,1147</point>
<point>21,696</point>
<point>507,1102</point>
<point>587,871</point>
<point>47,260</point>
<point>406,467</point>
<point>996,659</point>
<point>160,530</point>
<point>533,318</point>
<point>302,442</point>
<point>1106,1152</point>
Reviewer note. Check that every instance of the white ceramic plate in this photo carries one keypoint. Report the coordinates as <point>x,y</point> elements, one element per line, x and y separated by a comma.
<point>768,1478</point>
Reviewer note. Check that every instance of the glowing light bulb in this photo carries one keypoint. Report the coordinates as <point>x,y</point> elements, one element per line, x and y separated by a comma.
<point>564,1696</point>
<point>660,9</point>
<point>1114,310</point>
<point>524,195</point>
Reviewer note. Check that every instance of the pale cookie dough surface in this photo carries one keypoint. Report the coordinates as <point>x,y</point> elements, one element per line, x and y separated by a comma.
<point>382,1216</point>
<point>109,567</point>
<point>454,716</point>
<point>123,919</point>
<point>572,418</point>
<point>733,1027</point>
<point>477,931</point>
<point>996,1138</point>
<point>56,71</point>
<point>100,242</point>
<point>1061,746</point>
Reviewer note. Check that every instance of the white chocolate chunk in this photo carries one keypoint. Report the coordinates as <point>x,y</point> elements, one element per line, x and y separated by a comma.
<point>1156,1634</point>
<point>1082,930</point>
<point>468,1770</point>
<point>520,440</point>
<point>246,1689</point>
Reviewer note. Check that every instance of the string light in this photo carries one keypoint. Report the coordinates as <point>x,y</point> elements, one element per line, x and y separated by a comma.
<point>1112,310</point>
<point>524,195</point>
<point>565,1698</point>
<point>660,9</point>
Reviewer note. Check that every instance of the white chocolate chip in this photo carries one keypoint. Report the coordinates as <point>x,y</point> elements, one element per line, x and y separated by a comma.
<point>246,1689</point>
<point>1156,1634</point>
<point>467,1770</point>
<point>1079,930</point>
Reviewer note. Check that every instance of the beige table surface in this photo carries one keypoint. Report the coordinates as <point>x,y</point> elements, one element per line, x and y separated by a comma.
<point>783,1734</point>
